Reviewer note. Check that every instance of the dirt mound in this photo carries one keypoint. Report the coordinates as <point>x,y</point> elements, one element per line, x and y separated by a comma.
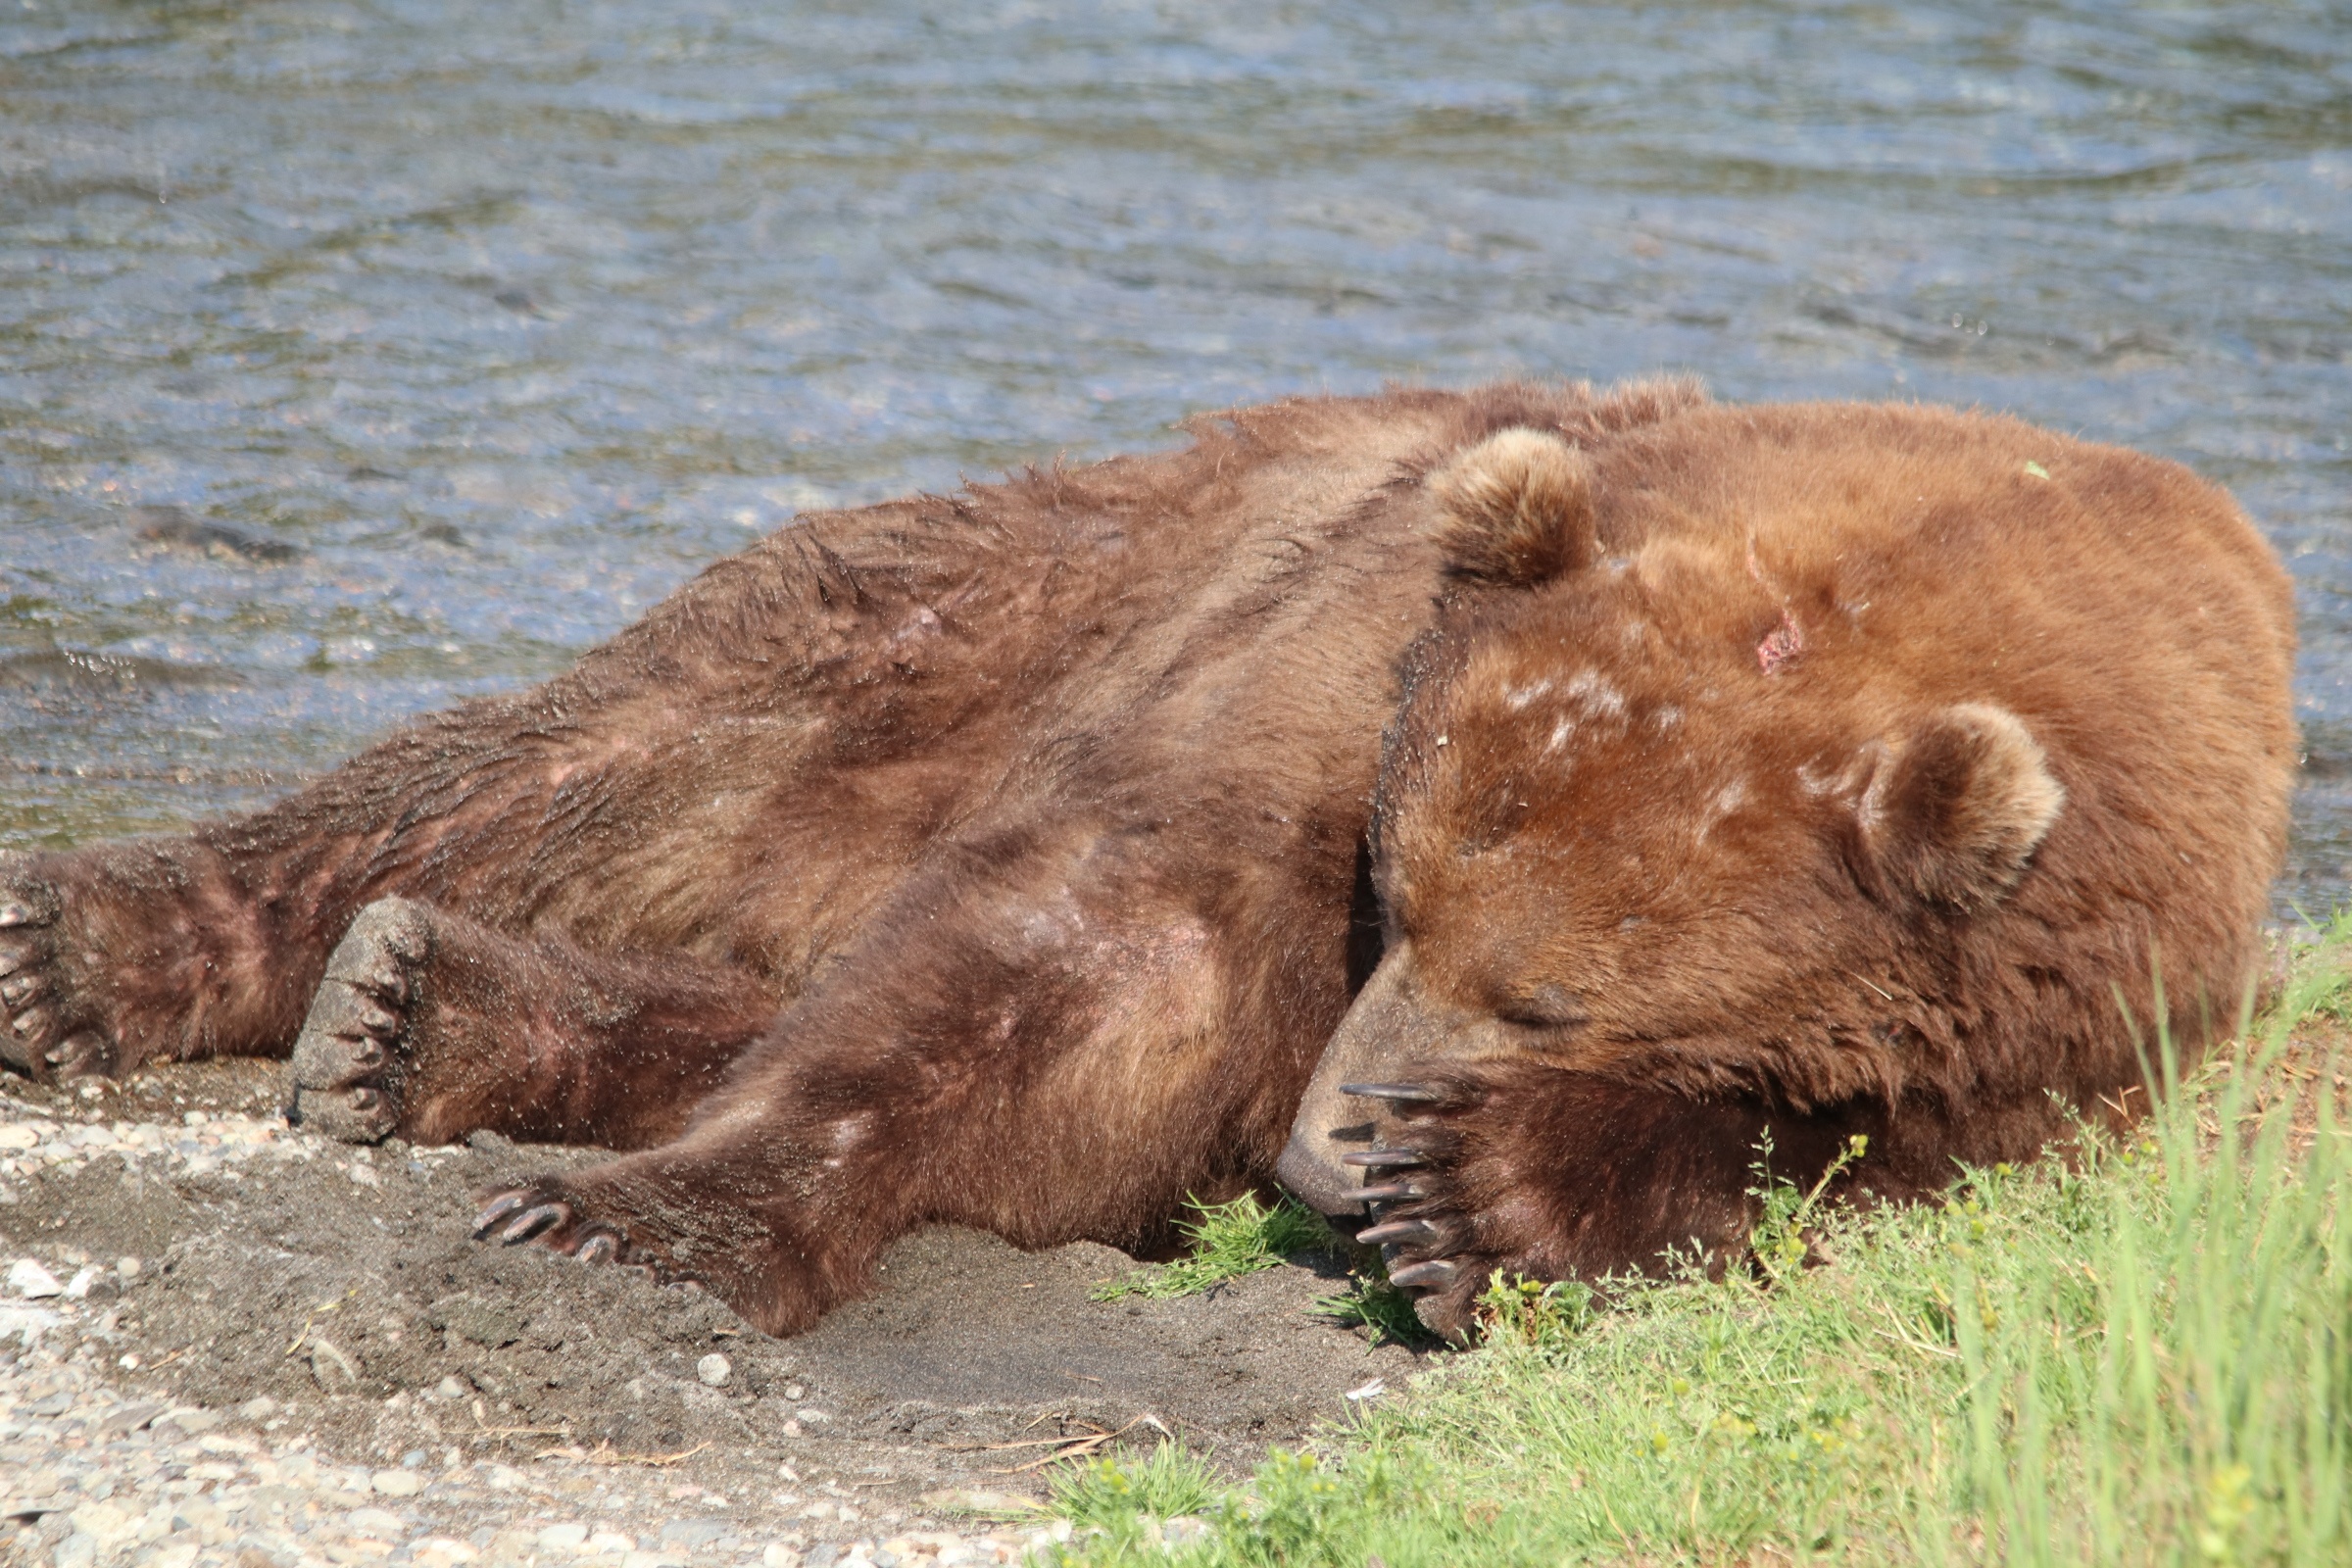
<point>340,1284</point>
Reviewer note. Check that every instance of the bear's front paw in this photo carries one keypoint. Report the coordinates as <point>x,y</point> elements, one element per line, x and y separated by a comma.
<point>1428,1227</point>
<point>545,1214</point>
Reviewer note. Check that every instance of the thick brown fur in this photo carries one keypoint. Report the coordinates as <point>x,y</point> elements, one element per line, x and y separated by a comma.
<point>1001,859</point>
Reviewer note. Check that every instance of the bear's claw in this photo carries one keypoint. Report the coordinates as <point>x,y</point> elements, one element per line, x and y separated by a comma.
<point>1434,1273</point>
<point>1381,1159</point>
<point>533,1221</point>
<point>31,901</point>
<point>520,1214</point>
<point>533,1214</point>
<point>1388,1192</point>
<point>500,1207</point>
<point>1395,1230</point>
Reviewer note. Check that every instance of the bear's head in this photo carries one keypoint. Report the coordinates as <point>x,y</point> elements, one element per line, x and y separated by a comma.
<point>1651,812</point>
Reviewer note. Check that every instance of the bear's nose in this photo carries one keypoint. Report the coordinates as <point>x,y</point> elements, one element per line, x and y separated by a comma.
<point>1318,1183</point>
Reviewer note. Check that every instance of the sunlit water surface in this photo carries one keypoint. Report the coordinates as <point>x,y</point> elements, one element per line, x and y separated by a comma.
<point>460,333</point>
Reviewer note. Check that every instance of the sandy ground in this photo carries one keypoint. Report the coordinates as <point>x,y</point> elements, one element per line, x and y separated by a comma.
<point>266,1348</point>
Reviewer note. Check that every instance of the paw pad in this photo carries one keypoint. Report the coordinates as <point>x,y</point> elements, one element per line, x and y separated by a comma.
<point>349,1058</point>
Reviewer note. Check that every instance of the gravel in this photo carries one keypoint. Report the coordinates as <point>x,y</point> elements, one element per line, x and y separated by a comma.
<point>226,1341</point>
<point>92,1477</point>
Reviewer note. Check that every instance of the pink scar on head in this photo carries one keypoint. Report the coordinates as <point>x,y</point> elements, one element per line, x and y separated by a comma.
<point>1780,645</point>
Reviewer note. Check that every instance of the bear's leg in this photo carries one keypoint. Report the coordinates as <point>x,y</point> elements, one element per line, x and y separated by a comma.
<point>433,1026</point>
<point>1553,1174</point>
<point>111,955</point>
<point>1047,1047</point>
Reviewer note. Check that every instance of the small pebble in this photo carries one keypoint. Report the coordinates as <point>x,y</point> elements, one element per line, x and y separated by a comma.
<point>714,1369</point>
<point>26,1278</point>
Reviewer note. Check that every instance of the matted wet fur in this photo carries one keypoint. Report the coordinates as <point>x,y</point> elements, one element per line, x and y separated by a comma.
<point>1010,859</point>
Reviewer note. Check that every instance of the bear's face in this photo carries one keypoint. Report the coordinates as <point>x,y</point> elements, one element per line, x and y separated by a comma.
<point>1632,823</point>
<point>1586,832</point>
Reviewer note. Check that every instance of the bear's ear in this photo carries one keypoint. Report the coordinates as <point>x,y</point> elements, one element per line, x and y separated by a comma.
<point>1954,809</point>
<point>1516,508</point>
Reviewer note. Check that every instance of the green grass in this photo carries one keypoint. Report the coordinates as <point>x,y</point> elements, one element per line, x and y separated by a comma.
<point>1116,1495</point>
<point>1372,1303</point>
<point>2144,1356</point>
<point>1228,1241</point>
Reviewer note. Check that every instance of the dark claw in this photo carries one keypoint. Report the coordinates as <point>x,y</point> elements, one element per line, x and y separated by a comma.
<point>1405,1092</point>
<point>1390,1194</point>
<point>530,1222</point>
<point>1382,1158</point>
<point>599,1248</point>
<point>487,1220</point>
<point>1437,1271</point>
<point>1395,1230</point>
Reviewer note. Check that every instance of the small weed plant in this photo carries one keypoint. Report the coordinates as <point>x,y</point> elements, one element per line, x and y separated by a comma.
<point>1781,1239</point>
<point>1119,1496</point>
<point>1228,1241</point>
<point>1544,1318</point>
<point>1370,1303</point>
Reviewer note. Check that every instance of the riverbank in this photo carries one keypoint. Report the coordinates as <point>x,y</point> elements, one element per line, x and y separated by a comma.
<point>244,1339</point>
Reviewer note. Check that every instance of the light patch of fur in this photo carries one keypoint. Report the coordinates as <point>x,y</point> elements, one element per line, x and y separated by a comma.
<point>1600,699</point>
<point>1721,804</point>
<point>1517,698</point>
<point>1516,508</point>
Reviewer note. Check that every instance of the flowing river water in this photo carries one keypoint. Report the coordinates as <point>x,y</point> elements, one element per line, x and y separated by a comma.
<point>357,356</point>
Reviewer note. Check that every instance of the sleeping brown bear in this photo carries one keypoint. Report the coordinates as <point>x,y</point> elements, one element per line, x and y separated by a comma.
<point>1588,783</point>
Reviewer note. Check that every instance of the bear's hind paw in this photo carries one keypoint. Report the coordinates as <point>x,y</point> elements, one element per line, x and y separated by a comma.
<point>36,1033</point>
<point>350,1059</point>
